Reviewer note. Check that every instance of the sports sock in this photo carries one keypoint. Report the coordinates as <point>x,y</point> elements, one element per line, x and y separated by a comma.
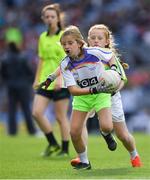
<point>51,139</point>
<point>103,133</point>
<point>83,157</point>
<point>133,154</point>
<point>65,146</point>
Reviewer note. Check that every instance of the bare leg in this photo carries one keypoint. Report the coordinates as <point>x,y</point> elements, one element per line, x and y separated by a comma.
<point>84,130</point>
<point>40,104</point>
<point>84,135</point>
<point>61,109</point>
<point>128,141</point>
<point>124,136</point>
<point>77,123</point>
<point>105,120</point>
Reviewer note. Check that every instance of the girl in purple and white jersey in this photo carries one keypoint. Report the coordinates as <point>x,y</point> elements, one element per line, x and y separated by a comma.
<point>81,69</point>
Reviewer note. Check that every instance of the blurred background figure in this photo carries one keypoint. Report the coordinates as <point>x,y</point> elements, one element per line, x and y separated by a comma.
<point>50,55</point>
<point>17,76</point>
<point>13,34</point>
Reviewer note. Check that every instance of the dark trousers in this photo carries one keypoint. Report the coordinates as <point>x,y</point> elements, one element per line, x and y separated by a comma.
<point>21,96</point>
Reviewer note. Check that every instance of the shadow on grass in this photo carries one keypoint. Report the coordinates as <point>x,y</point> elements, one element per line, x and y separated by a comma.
<point>57,158</point>
<point>110,172</point>
<point>106,172</point>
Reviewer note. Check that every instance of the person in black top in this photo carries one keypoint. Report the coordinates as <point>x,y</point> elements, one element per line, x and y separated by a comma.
<point>17,75</point>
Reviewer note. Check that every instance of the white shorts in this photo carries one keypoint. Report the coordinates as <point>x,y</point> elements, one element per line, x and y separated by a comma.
<point>117,108</point>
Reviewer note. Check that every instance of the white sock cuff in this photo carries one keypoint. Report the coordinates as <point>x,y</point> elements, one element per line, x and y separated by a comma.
<point>83,156</point>
<point>133,154</point>
<point>103,133</point>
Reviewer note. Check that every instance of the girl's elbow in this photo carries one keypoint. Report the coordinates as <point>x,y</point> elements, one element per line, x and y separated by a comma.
<point>74,93</point>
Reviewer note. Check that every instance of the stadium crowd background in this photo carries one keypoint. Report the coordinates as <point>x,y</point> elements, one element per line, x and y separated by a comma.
<point>129,21</point>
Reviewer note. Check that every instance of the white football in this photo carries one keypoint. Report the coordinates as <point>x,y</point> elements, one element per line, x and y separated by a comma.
<point>110,77</point>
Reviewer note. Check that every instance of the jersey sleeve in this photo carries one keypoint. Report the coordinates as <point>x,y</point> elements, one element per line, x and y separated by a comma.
<point>105,54</point>
<point>67,75</point>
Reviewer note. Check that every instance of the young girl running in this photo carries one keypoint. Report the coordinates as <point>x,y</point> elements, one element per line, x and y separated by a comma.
<point>81,69</point>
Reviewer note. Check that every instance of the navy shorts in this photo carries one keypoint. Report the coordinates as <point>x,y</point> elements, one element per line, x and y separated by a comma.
<point>54,95</point>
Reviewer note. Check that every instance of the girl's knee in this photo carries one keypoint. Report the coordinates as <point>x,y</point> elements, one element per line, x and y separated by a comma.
<point>36,114</point>
<point>106,128</point>
<point>75,135</point>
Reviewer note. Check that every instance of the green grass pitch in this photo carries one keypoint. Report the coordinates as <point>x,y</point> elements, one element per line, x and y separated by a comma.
<point>20,159</point>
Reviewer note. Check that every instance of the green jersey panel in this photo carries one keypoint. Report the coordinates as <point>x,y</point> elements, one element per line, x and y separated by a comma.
<point>121,71</point>
<point>51,53</point>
